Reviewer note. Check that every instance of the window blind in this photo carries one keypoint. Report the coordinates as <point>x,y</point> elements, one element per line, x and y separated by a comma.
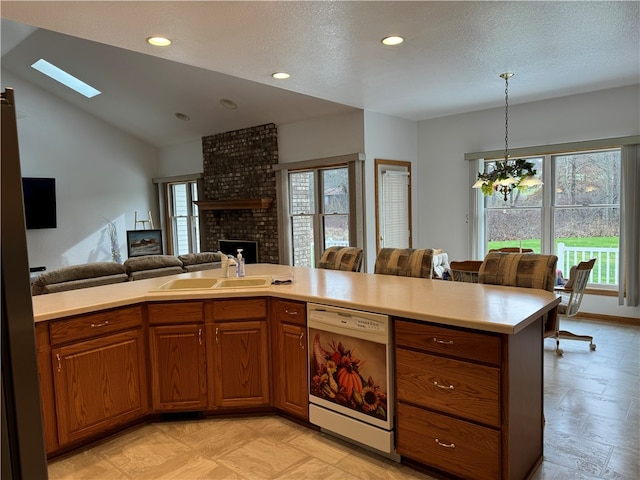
<point>394,204</point>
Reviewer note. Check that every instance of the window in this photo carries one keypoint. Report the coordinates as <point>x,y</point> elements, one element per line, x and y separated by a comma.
<point>586,212</point>
<point>184,232</point>
<point>574,215</point>
<point>319,210</point>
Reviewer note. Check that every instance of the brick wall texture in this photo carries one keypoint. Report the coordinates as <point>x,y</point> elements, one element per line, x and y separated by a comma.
<point>237,166</point>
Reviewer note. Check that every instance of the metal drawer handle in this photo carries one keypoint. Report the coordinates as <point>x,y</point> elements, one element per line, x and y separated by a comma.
<point>301,341</point>
<point>200,336</point>
<point>445,445</point>
<point>443,342</point>
<point>290,312</point>
<point>217,340</point>
<point>97,325</point>
<point>444,387</point>
<point>59,363</point>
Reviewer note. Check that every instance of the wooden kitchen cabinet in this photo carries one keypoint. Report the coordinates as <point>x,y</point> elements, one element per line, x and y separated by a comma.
<point>238,345</point>
<point>469,403</point>
<point>99,381</point>
<point>178,363</point>
<point>289,354</point>
<point>47,397</point>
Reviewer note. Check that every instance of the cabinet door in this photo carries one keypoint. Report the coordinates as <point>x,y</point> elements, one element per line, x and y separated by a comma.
<point>241,358</point>
<point>45,374</point>
<point>99,383</point>
<point>178,367</point>
<point>289,355</point>
<point>292,393</point>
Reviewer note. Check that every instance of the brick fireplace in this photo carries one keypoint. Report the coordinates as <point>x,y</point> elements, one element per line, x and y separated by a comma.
<point>238,186</point>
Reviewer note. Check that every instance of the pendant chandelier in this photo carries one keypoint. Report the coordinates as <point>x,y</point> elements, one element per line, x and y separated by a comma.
<point>507,174</point>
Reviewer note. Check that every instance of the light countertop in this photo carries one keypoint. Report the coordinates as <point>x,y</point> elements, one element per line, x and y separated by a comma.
<point>488,308</point>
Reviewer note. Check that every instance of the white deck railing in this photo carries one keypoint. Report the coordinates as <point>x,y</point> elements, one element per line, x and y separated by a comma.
<point>605,271</point>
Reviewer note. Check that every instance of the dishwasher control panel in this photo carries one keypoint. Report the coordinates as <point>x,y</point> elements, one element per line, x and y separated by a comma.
<point>346,318</point>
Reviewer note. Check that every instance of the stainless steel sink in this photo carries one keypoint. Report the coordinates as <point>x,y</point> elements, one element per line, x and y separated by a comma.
<point>244,282</point>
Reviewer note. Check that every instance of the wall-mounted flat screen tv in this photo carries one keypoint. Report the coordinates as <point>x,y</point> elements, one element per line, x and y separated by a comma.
<point>39,202</point>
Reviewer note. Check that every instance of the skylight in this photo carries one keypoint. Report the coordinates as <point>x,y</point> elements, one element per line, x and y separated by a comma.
<point>65,78</point>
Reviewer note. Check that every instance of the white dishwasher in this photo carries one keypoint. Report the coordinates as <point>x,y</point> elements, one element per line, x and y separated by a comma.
<point>350,375</point>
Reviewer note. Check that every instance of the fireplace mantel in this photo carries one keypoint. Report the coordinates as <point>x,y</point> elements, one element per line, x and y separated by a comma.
<point>238,204</point>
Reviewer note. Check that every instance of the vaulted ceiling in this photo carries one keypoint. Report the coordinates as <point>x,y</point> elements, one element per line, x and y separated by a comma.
<point>449,62</point>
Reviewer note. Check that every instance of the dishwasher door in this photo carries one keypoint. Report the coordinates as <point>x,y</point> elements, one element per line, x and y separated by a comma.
<point>350,374</point>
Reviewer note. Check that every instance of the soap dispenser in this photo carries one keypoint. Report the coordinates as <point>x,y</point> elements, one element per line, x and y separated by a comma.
<point>240,263</point>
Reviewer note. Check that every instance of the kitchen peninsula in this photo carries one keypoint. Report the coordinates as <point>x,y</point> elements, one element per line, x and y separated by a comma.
<point>118,354</point>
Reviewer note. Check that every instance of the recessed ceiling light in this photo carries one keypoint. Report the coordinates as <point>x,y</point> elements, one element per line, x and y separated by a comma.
<point>65,78</point>
<point>157,41</point>
<point>281,75</point>
<point>182,116</point>
<point>230,104</point>
<point>392,40</point>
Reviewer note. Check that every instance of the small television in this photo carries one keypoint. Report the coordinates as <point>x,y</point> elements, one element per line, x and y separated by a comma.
<point>39,196</point>
<point>249,249</point>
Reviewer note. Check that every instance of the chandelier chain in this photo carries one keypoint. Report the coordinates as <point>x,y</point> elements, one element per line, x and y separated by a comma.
<point>506,118</point>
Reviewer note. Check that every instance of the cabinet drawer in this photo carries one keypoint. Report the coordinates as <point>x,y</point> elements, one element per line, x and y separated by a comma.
<point>459,343</point>
<point>460,388</point>
<point>291,312</point>
<point>175,312</point>
<point>96,324</point>
<point>240,309</point>
<point>455,446</point>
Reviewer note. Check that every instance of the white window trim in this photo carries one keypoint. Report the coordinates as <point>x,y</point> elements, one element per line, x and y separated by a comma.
<point>355,163</point>
<point>164,207</point>
<point>476,159</point>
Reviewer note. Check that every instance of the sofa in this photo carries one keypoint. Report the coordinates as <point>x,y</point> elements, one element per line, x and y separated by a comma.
<point>149,266</point>
<point>79,276</point>
<point>194,262</point>
<point>134,268</point>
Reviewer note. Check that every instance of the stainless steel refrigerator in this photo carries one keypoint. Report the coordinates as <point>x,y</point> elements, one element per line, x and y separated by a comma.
<point>23,450</point>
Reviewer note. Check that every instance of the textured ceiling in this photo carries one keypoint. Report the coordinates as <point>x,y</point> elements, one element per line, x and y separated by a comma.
<point>448,64</point>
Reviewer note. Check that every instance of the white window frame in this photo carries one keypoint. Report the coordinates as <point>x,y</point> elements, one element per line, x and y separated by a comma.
<point>194,219</point>
<point>355,163</point>
<point>477,239</point>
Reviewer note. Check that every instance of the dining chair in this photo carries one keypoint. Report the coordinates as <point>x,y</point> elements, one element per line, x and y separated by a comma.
<point>341,258</point>
<point>405,262</point>
<point>572,293</point>
<point>525,270</point>
<point>465,270</point>
<point>512,250</point>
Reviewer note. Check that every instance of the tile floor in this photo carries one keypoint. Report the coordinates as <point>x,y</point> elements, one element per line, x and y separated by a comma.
<point>592,410</point>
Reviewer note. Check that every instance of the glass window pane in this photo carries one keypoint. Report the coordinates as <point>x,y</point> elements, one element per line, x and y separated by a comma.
<point>181,236</point>
<point>302,193</point>
<point>179,194</point>
<point>335,197</point>
<point>583,233</point>
<point>194,198</point>
<point>302,241</point>
<point>336,230</point>
<point>514,227</point>
<point>591,178</point>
